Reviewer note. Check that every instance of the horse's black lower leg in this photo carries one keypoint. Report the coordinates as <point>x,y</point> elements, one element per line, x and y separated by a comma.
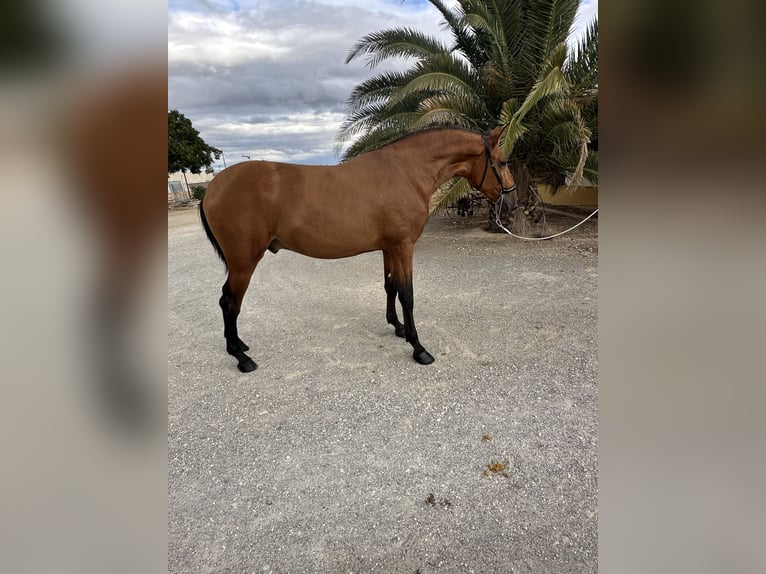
<point>234,345</point>
<point>406,298</point>
<point>391,315</point>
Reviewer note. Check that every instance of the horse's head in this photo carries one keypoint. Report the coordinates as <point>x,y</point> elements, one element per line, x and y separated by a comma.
<point>495,179</point>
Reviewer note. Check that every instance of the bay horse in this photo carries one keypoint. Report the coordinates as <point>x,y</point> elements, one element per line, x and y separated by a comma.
<point>377,201</point>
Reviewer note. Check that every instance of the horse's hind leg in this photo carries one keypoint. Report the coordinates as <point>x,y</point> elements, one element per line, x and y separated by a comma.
<point>231,302</point>
<point>230,313</point>
<point>391,291</point>
<point>401,259</point>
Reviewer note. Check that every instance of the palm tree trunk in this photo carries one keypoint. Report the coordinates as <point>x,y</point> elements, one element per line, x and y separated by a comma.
<point>520,225</point>
<point>188,191</point>
<point>492,225</point>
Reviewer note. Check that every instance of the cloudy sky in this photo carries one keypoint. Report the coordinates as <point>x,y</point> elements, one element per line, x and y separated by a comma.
<point>267,78</point>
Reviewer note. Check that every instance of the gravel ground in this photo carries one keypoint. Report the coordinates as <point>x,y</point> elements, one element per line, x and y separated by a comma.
<point>341,454</point>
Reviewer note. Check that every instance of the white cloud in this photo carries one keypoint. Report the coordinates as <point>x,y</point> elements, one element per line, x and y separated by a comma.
<point>270,79</point>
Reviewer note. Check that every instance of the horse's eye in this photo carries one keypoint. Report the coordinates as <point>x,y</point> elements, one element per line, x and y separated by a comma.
<point>504,163</point>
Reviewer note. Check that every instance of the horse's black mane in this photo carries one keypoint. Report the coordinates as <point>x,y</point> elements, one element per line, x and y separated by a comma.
<point>428,130</point>
<point>437,128</point>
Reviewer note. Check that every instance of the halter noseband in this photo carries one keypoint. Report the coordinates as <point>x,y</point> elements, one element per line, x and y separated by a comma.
<point>503,190</point>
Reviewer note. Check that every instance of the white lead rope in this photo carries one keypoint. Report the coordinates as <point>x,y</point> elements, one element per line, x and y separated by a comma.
<point>501,226</point>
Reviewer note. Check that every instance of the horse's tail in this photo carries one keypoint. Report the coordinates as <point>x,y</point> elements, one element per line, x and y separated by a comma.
<point>210,235</point>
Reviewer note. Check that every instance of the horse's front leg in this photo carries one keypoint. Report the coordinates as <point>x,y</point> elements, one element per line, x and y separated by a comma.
<point>402,275</point>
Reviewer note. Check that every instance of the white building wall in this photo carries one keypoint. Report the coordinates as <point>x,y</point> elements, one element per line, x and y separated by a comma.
<point>192,178</point>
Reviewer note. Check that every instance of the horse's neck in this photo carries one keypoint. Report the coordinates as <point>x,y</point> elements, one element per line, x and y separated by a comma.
<point>444,154</point>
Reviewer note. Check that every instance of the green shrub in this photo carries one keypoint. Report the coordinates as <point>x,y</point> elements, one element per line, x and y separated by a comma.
<point>198,192</point>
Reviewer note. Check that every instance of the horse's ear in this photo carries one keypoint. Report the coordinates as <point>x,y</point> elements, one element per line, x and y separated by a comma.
<point>494,135</point>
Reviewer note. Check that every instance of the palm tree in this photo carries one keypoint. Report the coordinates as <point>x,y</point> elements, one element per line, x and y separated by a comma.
<point>507,63</point>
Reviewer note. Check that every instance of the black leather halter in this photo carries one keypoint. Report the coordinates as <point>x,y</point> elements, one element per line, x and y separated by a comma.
<point>503,190</point>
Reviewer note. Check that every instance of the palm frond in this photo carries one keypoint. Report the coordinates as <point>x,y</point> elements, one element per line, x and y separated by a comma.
<point>450,192</point>
<point>369,102</point>
<point>393,43</point>
<point>577,172</point>
<point>473,109</point>
<point>581,67</point>
<point>511,14</point>
<point>360,120</point>
<point>435,81</point>
<point>548,23</point>
<point>383,133</point>
<point>465,39</point>
<point>451,19</point>
<point>508,110</point>
<point>552,83</point>
<point>378,88</point>
<point>444,74</point>
<point>515,128</point>
<point>401,114</point>
<point>483,22</point>
<point>557,57</point>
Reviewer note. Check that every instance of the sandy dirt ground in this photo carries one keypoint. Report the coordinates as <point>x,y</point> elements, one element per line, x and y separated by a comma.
<point>341,454</point>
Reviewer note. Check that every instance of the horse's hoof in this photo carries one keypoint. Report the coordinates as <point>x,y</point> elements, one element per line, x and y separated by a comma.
<point>423,357</point>
<point>246,365</point>
<point>399,332</point>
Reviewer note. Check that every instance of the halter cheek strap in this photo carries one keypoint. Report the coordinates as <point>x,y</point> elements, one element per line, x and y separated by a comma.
<point>503,190</point>
<point>487,162</point>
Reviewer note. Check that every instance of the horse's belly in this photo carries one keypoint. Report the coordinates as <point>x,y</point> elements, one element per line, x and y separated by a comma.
<point>325,246</point>
<point>337,229</point>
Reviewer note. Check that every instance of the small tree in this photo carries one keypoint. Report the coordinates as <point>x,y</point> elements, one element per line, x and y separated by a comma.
<point>187,151</point>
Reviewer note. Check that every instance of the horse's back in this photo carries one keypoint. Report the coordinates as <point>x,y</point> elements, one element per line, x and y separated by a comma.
<point>242,183</point>
<point>264,181</point>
